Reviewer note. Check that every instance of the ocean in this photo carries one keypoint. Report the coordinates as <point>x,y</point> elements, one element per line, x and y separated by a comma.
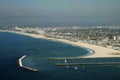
<point>38,52</point>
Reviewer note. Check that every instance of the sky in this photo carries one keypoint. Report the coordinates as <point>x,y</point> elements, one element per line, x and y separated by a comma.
<point>63,11</point>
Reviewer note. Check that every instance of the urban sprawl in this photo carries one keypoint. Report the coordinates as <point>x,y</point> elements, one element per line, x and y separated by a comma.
<point>106,36</point>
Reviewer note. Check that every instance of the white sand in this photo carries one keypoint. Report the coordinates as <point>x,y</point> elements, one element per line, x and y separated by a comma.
<point>99,51</point>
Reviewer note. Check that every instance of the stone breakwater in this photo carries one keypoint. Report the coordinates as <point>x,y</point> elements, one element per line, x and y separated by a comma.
<point>25,67</point>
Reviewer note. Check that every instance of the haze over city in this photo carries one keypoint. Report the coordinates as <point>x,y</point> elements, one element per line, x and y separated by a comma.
<point>60,12</point>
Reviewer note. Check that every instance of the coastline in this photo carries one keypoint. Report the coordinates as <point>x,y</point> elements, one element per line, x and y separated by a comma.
<point>97,51</point>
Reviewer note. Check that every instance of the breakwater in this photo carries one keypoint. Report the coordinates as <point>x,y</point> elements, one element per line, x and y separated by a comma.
<point>79,58</point>
<point>25,67</point>
<point>91,63</point>
<point>64,58</point>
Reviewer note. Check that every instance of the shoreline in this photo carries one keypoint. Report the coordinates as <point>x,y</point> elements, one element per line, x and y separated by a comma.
<point>97,51</point>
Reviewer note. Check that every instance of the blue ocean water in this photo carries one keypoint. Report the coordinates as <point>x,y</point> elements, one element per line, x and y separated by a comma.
<point>38,51</point>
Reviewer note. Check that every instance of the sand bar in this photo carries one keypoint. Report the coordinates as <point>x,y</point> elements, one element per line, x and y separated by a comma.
<point>99,52</point>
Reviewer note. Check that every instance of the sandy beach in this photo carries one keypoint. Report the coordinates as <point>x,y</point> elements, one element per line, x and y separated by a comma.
<point>99,52</point>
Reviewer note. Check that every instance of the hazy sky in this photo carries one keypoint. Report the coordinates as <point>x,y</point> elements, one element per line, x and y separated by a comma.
<point>62,10</point>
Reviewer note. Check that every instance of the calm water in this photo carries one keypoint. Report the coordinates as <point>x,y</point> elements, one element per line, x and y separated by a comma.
<point>13,46</point>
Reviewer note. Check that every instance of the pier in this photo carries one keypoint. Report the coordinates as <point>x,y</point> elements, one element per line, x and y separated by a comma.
<point>25,67</point>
